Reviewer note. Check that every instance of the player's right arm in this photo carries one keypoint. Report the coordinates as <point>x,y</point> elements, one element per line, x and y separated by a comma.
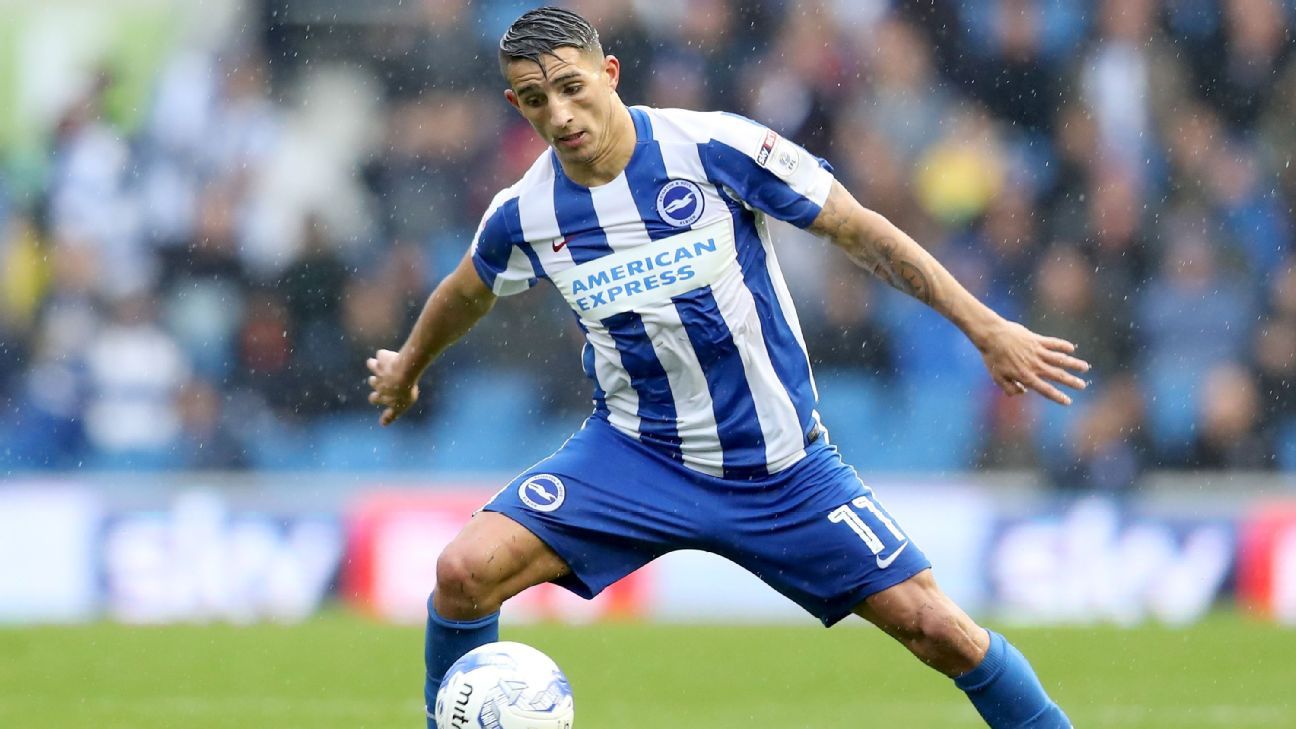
<point>455,306</point>
<point>493,267</point>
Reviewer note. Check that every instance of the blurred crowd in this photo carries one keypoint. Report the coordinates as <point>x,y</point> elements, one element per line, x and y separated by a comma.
<point>200,289</point>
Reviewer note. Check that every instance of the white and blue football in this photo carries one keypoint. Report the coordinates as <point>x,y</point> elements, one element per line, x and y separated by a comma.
<point>504,686</point>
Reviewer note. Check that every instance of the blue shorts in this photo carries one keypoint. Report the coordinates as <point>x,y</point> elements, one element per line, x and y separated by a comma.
<point>607,504</point>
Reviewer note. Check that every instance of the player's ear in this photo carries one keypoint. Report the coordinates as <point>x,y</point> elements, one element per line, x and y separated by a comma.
<point>511,97</point>
<point>612,67</point>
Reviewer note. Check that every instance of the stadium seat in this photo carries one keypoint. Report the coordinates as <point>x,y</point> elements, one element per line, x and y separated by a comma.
<point>1287,445</point>
<point>279,447</point>
<point>354,443</point>
<point>152,460</point>
<point>1172,402</point>
<point>489,424</point>
<point>919,425</point>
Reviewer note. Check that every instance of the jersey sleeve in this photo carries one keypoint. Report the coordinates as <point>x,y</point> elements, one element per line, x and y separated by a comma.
<point>766,171</point>
<point>497,252</point>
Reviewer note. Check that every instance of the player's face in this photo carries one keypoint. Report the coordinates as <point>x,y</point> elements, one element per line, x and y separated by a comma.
<point>569,98</point>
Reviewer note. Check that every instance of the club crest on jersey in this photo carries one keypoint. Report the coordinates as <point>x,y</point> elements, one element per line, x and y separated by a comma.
<point>680,203</point>
<point>542,492</point>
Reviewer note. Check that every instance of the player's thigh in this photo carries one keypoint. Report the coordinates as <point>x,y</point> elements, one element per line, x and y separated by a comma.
<point>818,536</point>
<point>605,503</point>
<point>493,558</point>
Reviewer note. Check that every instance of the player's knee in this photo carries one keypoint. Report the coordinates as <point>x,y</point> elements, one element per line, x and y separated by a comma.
<point>464,586</point>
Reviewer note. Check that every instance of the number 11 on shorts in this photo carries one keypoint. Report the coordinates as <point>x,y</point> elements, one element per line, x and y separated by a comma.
<point>844,514</point>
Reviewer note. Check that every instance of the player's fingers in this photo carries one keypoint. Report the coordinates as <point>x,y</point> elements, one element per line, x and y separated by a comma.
<point>1059,375</point>
<point>373,381</point>
<point>1058,345</point>
<point>388,416</point>
<point>1065,360</point>
<point>372,364</point>
<point>1047,390</point>
<point>375,399</point>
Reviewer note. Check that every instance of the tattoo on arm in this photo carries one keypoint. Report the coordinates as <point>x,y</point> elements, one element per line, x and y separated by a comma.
<point>883,258</point>
<point>883,255</point>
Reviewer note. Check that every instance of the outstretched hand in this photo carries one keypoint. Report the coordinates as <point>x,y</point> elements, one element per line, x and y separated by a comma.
<point>1020,360</point>
<point>390,386</point>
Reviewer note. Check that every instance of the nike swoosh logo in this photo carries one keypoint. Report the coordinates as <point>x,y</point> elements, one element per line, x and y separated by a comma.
<point>884,563</point>
<point>559,246</point>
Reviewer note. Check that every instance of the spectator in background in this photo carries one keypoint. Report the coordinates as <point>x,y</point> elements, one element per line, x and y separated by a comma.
<point>902,100</point>
<point>1239,78</point>
<point>418,180</point>
<point>1067,302</point>
<point>1275,356</point>
<point>207,434</point>
<point>134,374</point>
<point>204,285</point>
<point>426,53</point>
<point>1228,435</point>
<point>1006,244</point>
<point>90,200</point>
<point>1014,80</point>
<point>961,173</point>
<point>1119,172</point>
<point>1193,315</point>
<point>1257,230</point>
<point>265,349</point>
<point>1127,79</point>
<point>846,333</point>
<point>1104,449</point>
<point>1117,246</point>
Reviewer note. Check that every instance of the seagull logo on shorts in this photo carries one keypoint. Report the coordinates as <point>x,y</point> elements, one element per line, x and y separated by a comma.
<point>680,203</point>
<point>542,492</point>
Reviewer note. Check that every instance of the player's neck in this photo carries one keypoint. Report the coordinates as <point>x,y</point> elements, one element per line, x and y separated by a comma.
<point>611,159</point>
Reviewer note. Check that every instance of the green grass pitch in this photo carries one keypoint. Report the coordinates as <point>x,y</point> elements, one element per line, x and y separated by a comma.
<point>339,670</point>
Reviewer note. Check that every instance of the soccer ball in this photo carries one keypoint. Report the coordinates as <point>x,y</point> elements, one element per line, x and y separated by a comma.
<point>504,686</point>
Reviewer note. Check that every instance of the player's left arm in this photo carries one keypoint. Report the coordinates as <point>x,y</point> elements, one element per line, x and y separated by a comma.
<point>1018,358</point>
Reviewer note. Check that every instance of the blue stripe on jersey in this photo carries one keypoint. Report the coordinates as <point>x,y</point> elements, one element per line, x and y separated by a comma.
<point>737,423</point>
<point>496,240</point>
<point>643,125</point>
<point>658,421</point>
<point>645,176</point>
<point>577,219</point>
<point>587,364</point>
<point>531,255</point>
<point>790,362</point>
<point>726,166</point>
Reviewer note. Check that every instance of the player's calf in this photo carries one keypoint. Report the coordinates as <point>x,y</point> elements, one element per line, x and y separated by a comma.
<point>921,617</point>
<point>996,677</point>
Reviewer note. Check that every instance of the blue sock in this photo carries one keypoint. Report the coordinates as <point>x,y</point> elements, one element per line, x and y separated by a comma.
<point>445,642</point>
<point>1007,693</point>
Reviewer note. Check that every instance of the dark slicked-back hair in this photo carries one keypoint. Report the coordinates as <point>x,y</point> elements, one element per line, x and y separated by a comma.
<point>543,31</point>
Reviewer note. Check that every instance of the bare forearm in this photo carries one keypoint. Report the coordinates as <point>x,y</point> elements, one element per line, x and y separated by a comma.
<point>453,308</point>
<point>884,250</point>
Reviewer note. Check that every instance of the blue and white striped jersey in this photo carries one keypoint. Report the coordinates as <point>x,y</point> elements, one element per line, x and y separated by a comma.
<point>692,340</point>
